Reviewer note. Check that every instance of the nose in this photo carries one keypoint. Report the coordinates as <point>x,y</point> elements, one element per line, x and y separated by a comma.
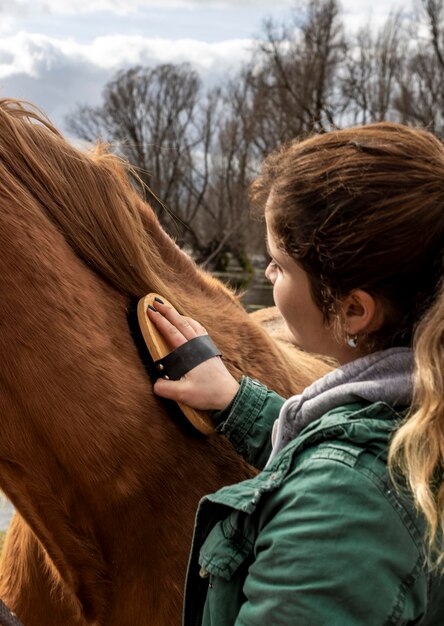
<point>268,272</point>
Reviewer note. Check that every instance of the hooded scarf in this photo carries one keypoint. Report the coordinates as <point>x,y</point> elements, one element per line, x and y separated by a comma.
<point>384,376</point>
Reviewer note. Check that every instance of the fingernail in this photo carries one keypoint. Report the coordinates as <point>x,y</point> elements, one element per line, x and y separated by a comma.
<point>152,308</point>
<point>158,300</point>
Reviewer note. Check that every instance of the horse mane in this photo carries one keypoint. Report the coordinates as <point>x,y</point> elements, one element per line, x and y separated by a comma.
<point>88,196</point>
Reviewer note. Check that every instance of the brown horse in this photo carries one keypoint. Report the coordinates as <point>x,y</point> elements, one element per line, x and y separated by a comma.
<point>104,480</point>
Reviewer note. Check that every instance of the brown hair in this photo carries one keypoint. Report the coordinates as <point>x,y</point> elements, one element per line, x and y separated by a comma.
<point>362,208</point>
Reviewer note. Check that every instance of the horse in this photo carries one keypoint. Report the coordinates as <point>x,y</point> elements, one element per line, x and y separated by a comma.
<point>105,479</point>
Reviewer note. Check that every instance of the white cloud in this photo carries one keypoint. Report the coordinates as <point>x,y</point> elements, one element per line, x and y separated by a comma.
<point>357,13</point>
<point>36,54</point>
<point>123,7</point>
<point>17,7</point>
<point>364,7</point>
<point>57,74</point>
<point>10,11</point>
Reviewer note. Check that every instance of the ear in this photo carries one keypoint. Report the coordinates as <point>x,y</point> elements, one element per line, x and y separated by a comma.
<point>361,312</point>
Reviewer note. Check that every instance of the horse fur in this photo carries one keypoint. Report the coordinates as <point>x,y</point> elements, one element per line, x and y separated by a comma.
<point>105,482</point>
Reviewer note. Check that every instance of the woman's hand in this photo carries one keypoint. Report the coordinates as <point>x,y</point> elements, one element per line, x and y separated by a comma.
<point>208,385</point>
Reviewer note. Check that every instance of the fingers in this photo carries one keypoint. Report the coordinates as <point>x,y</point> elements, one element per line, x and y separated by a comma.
<point>198,328</point>
<point>208,386</point>
<point>175,328</point>
<point>187,326</point>
<point>169,389</point>
<point>173,337</point>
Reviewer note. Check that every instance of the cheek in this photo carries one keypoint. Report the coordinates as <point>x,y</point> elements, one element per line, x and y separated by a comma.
<point>282,298</point>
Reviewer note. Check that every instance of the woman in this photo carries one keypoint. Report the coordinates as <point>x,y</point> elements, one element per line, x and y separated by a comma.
<point>355,231</point>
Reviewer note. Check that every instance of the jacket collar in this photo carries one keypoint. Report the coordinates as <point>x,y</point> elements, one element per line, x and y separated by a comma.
<point>384,376</point>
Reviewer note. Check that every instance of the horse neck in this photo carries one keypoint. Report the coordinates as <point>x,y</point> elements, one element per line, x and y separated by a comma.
<point>189,287</point>
<point>88,454</point>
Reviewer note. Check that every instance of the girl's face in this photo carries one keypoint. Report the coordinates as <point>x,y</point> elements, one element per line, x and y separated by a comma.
<point>293,298</point>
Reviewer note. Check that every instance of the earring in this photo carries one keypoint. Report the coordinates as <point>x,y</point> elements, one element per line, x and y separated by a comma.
<point>352,341</point>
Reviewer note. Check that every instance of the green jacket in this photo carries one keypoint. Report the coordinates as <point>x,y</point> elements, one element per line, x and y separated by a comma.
<point>318,538</point>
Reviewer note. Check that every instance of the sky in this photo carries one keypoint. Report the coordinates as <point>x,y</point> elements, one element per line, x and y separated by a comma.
<point>60,53</point>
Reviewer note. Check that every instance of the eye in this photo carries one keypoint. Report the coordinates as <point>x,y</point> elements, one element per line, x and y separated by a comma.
<point>275,266</point>
<point>273,271</point>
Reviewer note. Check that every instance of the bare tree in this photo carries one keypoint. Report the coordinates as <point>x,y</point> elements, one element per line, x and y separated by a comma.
<point>421,94</point>
<point>177,139</point>
<point>148,115</point>
<point>435,16</point>
<point>231,172</point>
<point>372,71</point>
<point>296,72</point>
<point>286,90</point>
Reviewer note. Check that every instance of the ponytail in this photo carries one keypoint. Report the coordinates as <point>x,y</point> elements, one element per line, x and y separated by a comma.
<point>417,448</point>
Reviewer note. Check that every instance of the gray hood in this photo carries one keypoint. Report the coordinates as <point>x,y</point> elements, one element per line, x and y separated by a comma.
<point>384,376</point>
